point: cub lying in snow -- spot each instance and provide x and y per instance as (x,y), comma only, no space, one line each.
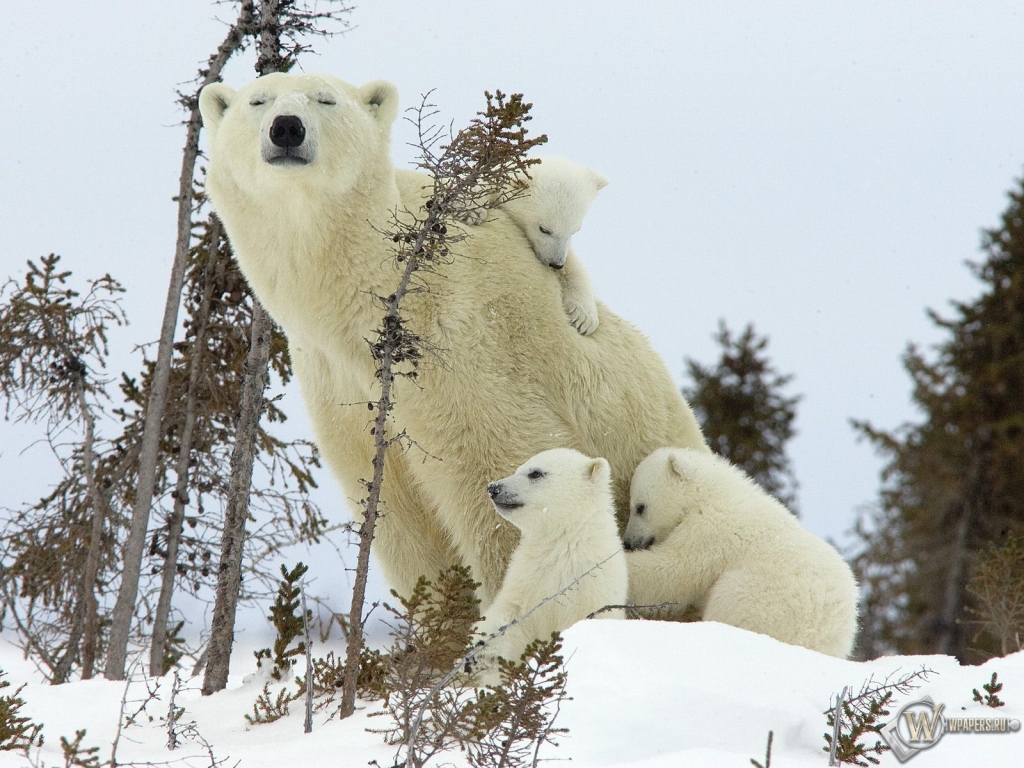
(550,210)
(702,533)
(569,562)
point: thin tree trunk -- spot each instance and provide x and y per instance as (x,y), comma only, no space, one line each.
(386,375)
(124,608)
(953,598)
(177,517)
(366,532)
(83,630)
(87,590)
(229,573)
(948,640)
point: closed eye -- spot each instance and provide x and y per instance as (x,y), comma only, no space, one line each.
(535,474)
(257,101)
(544,231)
(326,100)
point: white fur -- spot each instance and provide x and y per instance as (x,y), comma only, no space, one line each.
(719,542)
(569,550)
(513,379)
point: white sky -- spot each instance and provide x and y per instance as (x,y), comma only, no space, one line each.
(820,169)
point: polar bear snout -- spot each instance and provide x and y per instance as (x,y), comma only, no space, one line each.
(636,543)
(286,141)
(502,497)
(287,131)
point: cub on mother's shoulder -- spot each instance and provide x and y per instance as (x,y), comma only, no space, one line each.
(549,208)
(569,562)
(701,533)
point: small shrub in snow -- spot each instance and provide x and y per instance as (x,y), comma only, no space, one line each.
(991,698)
(269,708)
(17,732)
(865,714)
(77,756)
(290,626)
(434,707)
(997,589)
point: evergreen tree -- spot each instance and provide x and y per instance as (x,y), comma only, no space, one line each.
(953,483)
(56,554)
(744,414)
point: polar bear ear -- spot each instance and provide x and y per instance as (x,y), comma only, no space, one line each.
(675,466)
(599,470)
(214,100)
(381,99)
(599,180)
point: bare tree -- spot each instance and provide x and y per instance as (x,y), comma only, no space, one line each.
(124,609)
(478,168)
(53,345)
(280,26)
(181,469)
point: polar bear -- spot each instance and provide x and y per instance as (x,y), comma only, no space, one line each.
(702,533)
(569,562)
(300,174)
(550,209)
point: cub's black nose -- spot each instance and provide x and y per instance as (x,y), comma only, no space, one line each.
(493,489)
(287,131)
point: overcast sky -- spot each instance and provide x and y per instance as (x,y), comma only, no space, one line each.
(819,169)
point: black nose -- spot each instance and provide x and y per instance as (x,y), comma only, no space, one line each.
(493,489)
(287,131)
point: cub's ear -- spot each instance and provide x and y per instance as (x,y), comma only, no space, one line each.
(676,467)
(599,470)
(381,100)
(214,100)
(599,180)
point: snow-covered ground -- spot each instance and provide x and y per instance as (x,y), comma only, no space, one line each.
(644,694)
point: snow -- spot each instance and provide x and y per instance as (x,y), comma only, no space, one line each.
(644,695)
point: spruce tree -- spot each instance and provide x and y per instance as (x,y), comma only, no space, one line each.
(741,407)
(954,482)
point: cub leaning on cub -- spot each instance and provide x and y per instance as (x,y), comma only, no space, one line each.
(702,533)
(569,562)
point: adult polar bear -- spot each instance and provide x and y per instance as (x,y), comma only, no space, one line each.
(301,175)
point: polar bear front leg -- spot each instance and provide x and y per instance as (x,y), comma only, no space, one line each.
(661,581)
(578,295)
(409,540)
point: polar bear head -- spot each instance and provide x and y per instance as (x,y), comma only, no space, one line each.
(662,490)
(553,207)
(281,131)
(554,490)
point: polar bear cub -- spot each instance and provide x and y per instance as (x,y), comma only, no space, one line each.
(569,552)
(550,210)
(702,533)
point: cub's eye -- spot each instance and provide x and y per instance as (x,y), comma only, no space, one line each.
(544,231)
(326,100)
(535,474)
(257,101)
(640,509)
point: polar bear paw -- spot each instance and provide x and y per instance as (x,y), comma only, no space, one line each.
(582,313)
(483,667)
